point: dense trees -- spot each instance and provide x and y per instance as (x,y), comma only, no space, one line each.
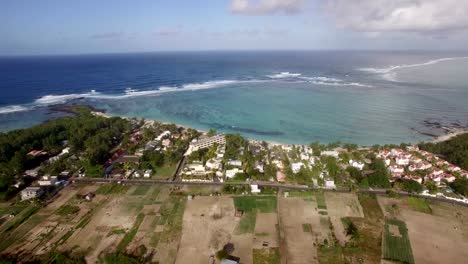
(91,135)
(454,150)
(379,176)
(234,142)
(411,186)
(460,186)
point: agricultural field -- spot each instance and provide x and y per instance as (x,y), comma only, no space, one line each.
(118,220)
(162,224)
(396,244)
(438,235)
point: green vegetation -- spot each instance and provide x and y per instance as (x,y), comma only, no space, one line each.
(173,222)
(460,186)
(307,228)
(66,210)
(113,188)
(396,245)
(121,258)
(262,204)
(141,190)
(331,254)
(19,219)
(266,256)
(57,257)
(247,223)
(370,206)
(235,189)
(94,136)
(420,204)
(320,200)
(380,176)
(251,205)
(454,150)
(411,186)
(365,243)
(234,142)
(131,234)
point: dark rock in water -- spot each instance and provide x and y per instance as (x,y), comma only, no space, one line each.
(70,108)
(433,124)
(244,130)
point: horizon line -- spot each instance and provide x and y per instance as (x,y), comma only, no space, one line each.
(224,50)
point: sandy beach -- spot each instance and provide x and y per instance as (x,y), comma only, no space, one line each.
(453,133)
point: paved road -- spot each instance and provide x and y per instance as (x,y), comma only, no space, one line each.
(261,184)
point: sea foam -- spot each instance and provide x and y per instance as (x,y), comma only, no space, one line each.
(389,69)
(284,75)
(13,108)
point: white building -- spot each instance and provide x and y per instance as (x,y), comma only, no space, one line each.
(208,142)
(332,153)
(148,173)
(356,164)
(254,188)
(259,166)
(402,160)
(296,167)
(330,183)
(164,134)
(47,180)
(231,173)
(236,163)
(213,164)
(31,193)
(395,169)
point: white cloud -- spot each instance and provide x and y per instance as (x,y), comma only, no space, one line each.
(266,7)
(422,16)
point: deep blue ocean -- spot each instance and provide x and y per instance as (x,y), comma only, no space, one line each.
(364,97)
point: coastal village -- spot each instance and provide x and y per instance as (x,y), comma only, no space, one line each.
(196,156)
(153,192)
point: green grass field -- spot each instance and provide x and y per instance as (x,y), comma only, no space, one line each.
(266,256)
(131,234)
(68,210)
(320,200)
(165,171)
(141,190)
(420,205)
(251,205)
(306,228)
(262,204)
(111,189)
(397,248)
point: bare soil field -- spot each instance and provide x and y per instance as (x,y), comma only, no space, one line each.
(208,224)
(266,233)
(439,237)
(294,212)
(341,205)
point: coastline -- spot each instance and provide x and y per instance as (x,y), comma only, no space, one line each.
(449,134)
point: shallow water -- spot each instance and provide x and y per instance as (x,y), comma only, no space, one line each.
(293,97)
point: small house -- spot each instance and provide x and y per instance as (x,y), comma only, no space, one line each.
(31,193)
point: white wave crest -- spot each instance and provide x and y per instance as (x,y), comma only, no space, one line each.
(13,108)
(284,75)
(403,66)
(130,92)
(321,80)
(57,99)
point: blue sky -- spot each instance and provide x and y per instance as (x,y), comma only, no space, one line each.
(86,26)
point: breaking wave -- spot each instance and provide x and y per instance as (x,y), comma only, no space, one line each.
(387,72)
(282,75)
(13,108)
(332,81)
(52,99)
